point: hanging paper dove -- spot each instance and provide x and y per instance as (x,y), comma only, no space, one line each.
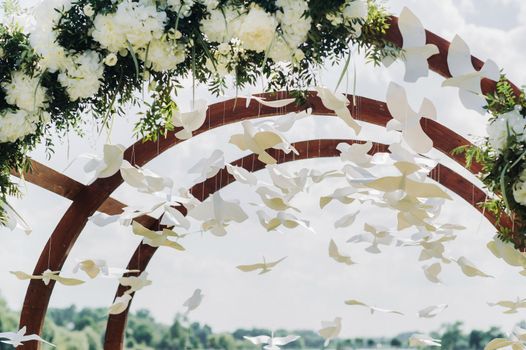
(47,276)
(404,183)
(375,235)
(120,304)
(318,176)
(108,164)
(342,195)
(346,220)
(242,175)
(335,254)
(512,306)
(190,121)
(356,153)
(135,283)
(92,268)
(156,238)
(415,52)
(265,266)
(284,123)
(173,218)
(272,343)
(287,183)
(208,167)
(432,271)
(507,252)
(465,77)
(282,219)
(103,219)
(515,341)
(339,104)
(258,142)
(19,338)
(14,220)
(274,200)
(372,309)
(434,248)
(272,104)
(469,269)
(193,302)
(422,340)
(407,121)
(330,330)
(432,311)
(216,214)
(144,180)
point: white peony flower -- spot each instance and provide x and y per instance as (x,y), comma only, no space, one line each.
(508,124)
(83,79)
(519,189)
(17,125)
(162,55)
(258,30)
(108,34)
(223,25)
(280,51)
(24,92)
(53,56)
(294,21)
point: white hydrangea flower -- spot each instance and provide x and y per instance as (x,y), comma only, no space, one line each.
(25,92)
(511,123)
(294,20)
(162,55)
(134,23)
(83,79)
(258,30)
(15,125)
(221,27)
(519,189)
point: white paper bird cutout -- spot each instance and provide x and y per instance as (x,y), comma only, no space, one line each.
(173,218)
(274,200)
(258,141)
(434,248)
(272,343)
(144,180)
(376,236)
(432,311)
(208,167)
(330,330)
(193,302)
(422,340)
(19,338)
(465,77)
(190,121)
(102,219)
(157,238)
(108,164)
(356,153)
(516,341)
(415,50)
(335,254)
(14,219)
(507,252)
(135,283)
(282,219)
(242,175)
(432,271)
(318,176)
(283,123)
(272,104)
(346,220)
(372,309)
(286,182)
(469,269)
(216,214)
(407,121)
(339,104)
(92,268)
(406,184)
(343,195)
(48,276)
(120,304)
(511,305)
(265,266)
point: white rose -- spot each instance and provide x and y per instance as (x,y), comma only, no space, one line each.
(25,92)
(507,124)
(111,60)
(258,30)
(88,10)
(16,125)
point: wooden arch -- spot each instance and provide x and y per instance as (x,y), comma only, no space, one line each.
(90,198)
(116,324)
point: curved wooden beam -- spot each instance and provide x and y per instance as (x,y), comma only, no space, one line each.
(116,324)
(92,197)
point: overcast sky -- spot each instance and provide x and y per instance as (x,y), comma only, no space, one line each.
(308,287)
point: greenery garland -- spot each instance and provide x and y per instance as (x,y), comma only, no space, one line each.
(85,60)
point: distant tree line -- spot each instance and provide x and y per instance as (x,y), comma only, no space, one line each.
(73,329)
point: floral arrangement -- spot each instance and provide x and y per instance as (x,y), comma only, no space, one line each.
(502,155)
(94,57)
